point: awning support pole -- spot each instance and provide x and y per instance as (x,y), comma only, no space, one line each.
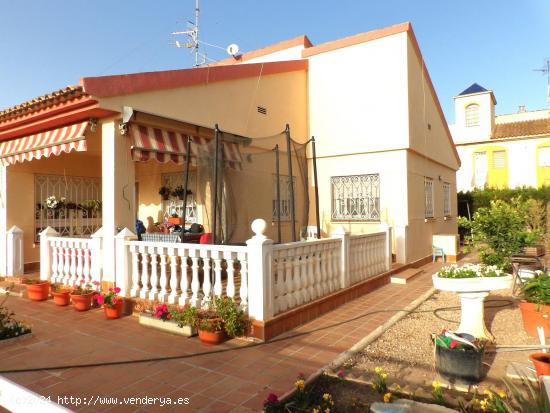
(278,204)
(291,176)
(186,180)
(316,183)
(215,208)
(221,185)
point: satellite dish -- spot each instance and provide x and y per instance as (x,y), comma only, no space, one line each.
(232,49)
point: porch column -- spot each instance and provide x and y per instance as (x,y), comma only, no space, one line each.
(3,220)
(118,191)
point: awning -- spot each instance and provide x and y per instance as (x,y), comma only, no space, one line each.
(165,146)
(65,139)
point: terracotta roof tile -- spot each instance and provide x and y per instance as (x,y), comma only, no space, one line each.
(42,102)
(533,127)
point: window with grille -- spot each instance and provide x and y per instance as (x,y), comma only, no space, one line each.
(446,199)
(472,115)
(429,197)
(69,204)
(174,205)
(284,204)
(356,197)
(544,156)
(499,159)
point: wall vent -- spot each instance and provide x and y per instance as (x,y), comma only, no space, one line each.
(262,110)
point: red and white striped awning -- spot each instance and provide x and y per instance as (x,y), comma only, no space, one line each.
(165,146)
(53,142)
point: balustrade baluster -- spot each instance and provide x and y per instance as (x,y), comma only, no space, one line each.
(86,262)
(289,284)
(312,292)
(60,262)
(184,281)
(218,288)
(164,286)
(195,301)
(153,294)
(174,279)
(243,292)
(136,276)
(296,273)
(207,278)
(144,292)
(67,268)
(230,289)
(79,266)
(53,250)
(72,267)
(304,276)
(318,273)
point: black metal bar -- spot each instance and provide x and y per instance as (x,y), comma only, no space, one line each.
(221,185)
(278,204)
(215,209)
(292,209)
(316,183)
(187,162)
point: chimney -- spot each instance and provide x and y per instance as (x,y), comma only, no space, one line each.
(521,109)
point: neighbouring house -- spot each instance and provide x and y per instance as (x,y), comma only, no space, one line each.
(386,167)
(499,151)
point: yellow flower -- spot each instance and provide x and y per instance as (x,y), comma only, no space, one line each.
(300,384)
(501,393)
(387,397)
(327,410)
(326,397)
(488,393)
(483,405)
(397,387)
(436,384)
(315,410)
(384,376)
(378,370)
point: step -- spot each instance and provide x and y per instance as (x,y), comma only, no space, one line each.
(17,290)
(406,275)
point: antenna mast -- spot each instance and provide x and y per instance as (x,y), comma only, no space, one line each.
(192,34)
(196,37)
(546,72)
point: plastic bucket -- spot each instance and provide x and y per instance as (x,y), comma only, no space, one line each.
(466,365)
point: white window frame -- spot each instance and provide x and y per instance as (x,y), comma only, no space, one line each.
(284,201)
(428,197)
(446,199)
(471,115)
(355,197)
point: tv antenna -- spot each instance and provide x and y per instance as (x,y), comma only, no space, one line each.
(193,42)
(545,70)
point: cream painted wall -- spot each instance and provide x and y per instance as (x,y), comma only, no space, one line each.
(231,104)
(420,230)
(358,100)
(292,53)
(522,162)
(428,132)
(20,187)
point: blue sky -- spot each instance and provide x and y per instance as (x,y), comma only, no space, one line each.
(46,45)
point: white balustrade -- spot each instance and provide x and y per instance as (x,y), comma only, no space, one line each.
(367,256)
(69,261)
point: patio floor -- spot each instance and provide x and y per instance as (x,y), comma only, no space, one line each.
(235,378)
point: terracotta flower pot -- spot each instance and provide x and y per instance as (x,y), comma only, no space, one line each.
(535,316)
(212,337)
(541,362)
(115,311)
(82,302)
(39,291)
(61,298)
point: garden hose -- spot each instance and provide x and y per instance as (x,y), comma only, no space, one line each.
(252,344)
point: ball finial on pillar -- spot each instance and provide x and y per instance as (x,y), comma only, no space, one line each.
(258,227)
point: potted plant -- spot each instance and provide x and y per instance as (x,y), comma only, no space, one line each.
(55,206)
(179,192)
(37,290)
(541,362)
(173,319)
(210,327)
(10,328)
(164,192)
(174,219)
(535,310)
(459,356)
(61,294)
(233,317)
(82,295)
(111,302)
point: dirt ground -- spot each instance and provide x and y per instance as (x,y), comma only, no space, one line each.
(406,352)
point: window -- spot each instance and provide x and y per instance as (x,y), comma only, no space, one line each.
(284,186)
(428,197)
(480,169)
(544,156)
(499,159)
(79,213)
(174,205)
(356,197)
(472,115)
(446,199)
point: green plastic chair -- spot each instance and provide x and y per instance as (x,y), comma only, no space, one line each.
(438,252)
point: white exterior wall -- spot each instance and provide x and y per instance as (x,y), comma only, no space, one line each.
(483,131)
(292,53)
(357,97)
(522,162)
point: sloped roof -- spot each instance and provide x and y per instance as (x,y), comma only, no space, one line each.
(534,127)
(42,102)
(474,88)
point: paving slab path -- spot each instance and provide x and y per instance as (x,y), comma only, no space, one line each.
(234,377)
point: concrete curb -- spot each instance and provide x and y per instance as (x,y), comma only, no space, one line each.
(365,341)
